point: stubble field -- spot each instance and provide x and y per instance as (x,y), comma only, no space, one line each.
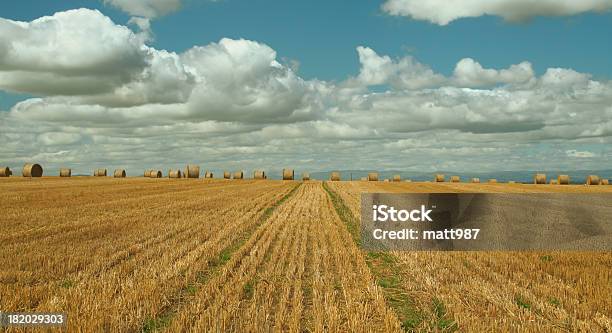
(139,254)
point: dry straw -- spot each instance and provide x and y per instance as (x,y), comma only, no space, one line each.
(175,173)
(397,178)
(227,175)
(605,182)
(100,173)
(539,178)
(119,173)
(475,180)
(32,170)
(335,176)
(259,174)
(65,172)
(208,174)
(455,179)
(155,174)
(238,175)
(192,171)
(439,178)
(373,176)
(288,174)
(305,176)
(5,172)
(563,180)
(592,180)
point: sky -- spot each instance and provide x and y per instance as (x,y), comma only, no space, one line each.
(471,85)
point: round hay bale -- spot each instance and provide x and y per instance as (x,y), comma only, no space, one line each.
(192,171)
(475,180)
(408,180)
(5,172)
(553,182)
(238,175)
(100,173)
(492,181)
(563,180)
(65,172)
(592,180)
(335,176)
(259,174)
(147,173)
(455,179)
(288,174)
(119,173)
(365,179)
(397,178)
(305,176)
(373,176)
(227,175)
(175,173)
(386,180)
(439,178)
(605,182)
(32,170)
(539,178)
(208,174)
(184,173)
(155,174)
(511,182)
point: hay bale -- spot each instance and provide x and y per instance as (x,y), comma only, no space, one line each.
(386,180)
(439,178)
(563,180)
(408,180)
(373,176)
(147,173)
(305,176)
(539,178)
(512,182)
(65,172)
(119,173)
(475,180)
(32,170)
(553,182)
(175,173)
(335,176)
(192,171)
(492,181)
(604,182)
(238,175)
(227,175)
(455,179)
(100,173)
(397,178)
(208,174)
(259,174)
(155,174)
(365,179)
(592,180)
(288,174)
(5,172)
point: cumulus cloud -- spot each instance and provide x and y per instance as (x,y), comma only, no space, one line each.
(233,104)
(146,8)
(442,12)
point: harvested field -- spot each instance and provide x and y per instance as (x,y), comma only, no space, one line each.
(494,291)
(142,254)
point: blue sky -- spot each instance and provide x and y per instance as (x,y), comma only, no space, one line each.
(466,81)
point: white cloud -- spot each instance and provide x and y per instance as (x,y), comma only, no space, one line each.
(146,8)
(469,73)
(443,12)
(232,104)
